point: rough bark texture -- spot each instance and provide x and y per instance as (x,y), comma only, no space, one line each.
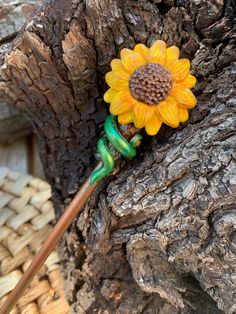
(160,237)
(13,15)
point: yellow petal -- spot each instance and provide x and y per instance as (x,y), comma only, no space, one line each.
(117,80)
(169,111)
(180,69)
(172,55)
(184,96)
(126,118)
(157,52)
(157,112)
(122,102)
(189,81)
(153,125)
(109,95)
(117,65)
(142,50)
(142,114)
(131,60)
(183,114)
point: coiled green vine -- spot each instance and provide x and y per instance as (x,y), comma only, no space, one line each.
(115,138)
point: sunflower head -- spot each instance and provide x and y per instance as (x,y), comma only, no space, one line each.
(150,86)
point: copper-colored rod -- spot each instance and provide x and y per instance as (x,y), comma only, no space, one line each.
(63,223)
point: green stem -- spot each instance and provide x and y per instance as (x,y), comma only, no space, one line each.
(125,148)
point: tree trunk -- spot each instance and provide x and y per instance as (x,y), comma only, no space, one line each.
(13,15)
(160,236)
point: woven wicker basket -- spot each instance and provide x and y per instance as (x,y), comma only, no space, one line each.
(25,216)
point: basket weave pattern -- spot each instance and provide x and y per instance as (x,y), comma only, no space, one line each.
(25,216)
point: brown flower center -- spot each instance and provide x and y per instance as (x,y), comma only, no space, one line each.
(150,83)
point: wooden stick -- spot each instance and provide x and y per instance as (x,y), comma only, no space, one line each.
(63,223)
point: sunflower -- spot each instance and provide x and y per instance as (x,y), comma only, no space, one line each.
(150,86)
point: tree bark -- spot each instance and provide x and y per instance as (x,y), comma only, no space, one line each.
(159,237)
(13,15)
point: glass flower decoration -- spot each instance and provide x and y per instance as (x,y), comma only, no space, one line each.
(150,86)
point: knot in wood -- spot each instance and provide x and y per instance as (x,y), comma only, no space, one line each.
(150,83)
